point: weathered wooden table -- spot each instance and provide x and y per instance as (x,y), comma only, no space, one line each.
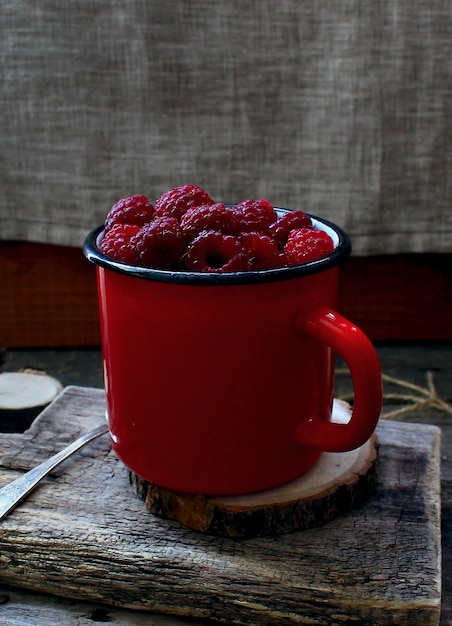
(428,403)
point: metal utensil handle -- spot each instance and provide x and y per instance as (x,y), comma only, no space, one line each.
(15,491)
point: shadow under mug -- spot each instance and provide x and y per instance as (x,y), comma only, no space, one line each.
(223,384)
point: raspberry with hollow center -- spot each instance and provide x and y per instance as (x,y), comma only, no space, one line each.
(131,210)
(160,244)
(212,251)
(280,229)
(209,217)
(255,215)
(263,253)
(307,244)
(175,202)
(117,242)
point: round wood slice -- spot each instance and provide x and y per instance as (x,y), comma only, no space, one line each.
(23,395)
(336,483)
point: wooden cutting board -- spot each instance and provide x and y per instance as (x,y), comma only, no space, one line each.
(84,534)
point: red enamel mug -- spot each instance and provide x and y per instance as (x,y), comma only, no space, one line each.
(223,384)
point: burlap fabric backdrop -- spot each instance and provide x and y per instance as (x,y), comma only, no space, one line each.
(338,107)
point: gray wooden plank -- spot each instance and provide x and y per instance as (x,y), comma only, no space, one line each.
(25,608)
(85,535)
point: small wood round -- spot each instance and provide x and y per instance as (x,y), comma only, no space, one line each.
(333,486)
(23,395)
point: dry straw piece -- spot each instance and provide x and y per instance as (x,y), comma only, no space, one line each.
(421,398)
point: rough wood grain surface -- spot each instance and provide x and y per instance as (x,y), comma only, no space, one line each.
(85,535)
(26,608)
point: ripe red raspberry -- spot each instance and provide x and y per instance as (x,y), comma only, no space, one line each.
(209,217)
(160,244)
(255,215)
(263,253)
(212,251)
(307,244)
(175,202)
(280,229)
(117,243)
(131,210)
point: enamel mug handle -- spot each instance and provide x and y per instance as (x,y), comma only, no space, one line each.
(355,348)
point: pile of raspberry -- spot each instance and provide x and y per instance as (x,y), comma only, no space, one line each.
(188,231)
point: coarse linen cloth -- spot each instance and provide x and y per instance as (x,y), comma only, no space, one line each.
(341,108)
